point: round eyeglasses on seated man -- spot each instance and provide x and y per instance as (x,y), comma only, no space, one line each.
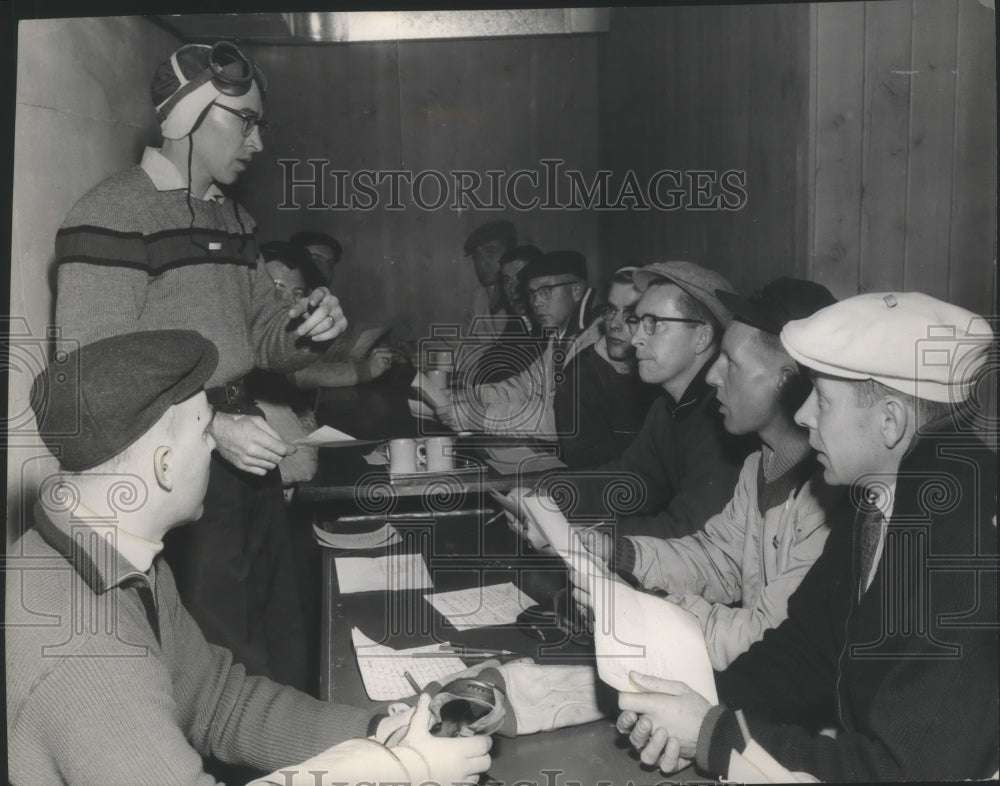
(165,243)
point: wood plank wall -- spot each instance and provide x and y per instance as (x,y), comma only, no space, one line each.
(714,89)
(477,105)
(867,132)
(905,155)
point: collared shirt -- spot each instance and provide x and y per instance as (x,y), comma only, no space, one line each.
(167,177)
(883,497)
(94,549)
(695,391)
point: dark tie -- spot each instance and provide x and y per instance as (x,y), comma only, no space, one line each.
(869,532)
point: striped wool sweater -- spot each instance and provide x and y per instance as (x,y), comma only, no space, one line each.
(130,260)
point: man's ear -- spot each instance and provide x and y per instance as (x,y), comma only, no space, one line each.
(894,420)
(577,290)
(786,376)
(704,334)
(163,467)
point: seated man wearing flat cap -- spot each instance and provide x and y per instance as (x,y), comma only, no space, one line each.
(109,679)
(891,639)
(737,572)
(681,468)
(556,288)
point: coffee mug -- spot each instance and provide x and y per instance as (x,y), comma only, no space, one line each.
(440,453)
(402,456)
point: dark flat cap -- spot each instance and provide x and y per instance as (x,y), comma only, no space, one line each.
(118,389)
(555,263)
(778,303)
(495,230)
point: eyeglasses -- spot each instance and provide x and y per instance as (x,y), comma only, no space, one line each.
(609,312)
(650,321)
(249,121)
(545,292)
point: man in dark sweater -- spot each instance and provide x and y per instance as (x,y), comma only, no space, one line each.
(601,403)
(681,468)
(891,640)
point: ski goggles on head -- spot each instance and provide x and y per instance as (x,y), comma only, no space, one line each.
(228,72)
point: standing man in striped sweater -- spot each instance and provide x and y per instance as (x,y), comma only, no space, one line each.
(160,246)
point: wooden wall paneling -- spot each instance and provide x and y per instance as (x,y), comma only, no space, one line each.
(450,120)
(778,104)
(635,101)
(972,262)
(368,139)
(885,152)
(686,235)
(662,116)
(932,102)
(811,162)
(339,104)
(839,114)
(735,236)
(717,85)
(566,108)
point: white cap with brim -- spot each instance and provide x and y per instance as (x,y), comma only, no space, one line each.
(907,341)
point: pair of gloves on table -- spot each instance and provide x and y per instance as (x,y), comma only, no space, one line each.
(526,698)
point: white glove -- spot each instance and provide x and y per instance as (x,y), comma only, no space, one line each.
(443,760)
(398,718)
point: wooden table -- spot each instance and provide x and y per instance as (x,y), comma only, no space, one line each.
(460,556)
(460,552)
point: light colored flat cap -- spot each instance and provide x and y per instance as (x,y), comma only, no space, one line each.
(908,341)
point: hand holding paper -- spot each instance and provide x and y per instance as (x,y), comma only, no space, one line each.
(670,706)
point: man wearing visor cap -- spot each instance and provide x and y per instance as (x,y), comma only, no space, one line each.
(159,246)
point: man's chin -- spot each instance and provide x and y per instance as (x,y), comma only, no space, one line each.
(618,351)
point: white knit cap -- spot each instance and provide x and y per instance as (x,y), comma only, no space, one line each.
(908,341)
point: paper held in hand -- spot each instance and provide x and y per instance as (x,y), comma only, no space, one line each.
(636,631)
(633,630)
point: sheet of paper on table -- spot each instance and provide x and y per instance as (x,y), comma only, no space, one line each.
(512,459)
(382,574)
(382,667)
(376,458)
(325,435)
(637,631)
(385,536)
(480,607)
